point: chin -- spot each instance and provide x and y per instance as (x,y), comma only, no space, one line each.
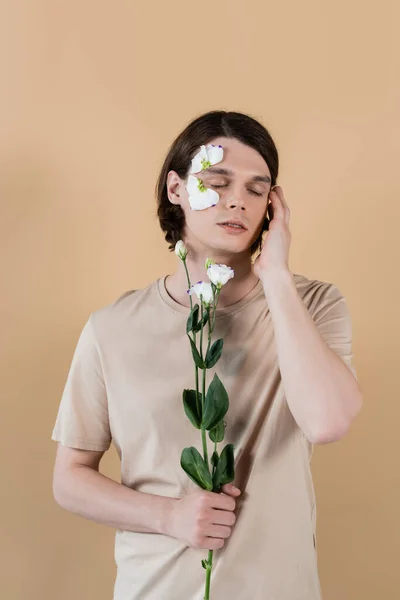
(233,249)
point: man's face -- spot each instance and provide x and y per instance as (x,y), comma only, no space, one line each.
(241,196)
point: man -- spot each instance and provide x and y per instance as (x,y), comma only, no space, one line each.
(286,365)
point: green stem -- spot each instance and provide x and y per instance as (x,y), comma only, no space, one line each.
(196,368)
(211,323)
(211,319)
(203,431)
(208,575)
(216,297)
(214,467)
(189,284)
(196,371)
(202,326)
(210,552)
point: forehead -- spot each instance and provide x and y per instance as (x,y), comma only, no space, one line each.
(239,158)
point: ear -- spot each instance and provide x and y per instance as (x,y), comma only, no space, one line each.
(175,188)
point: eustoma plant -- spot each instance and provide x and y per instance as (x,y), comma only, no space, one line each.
(200,197)
(206,409)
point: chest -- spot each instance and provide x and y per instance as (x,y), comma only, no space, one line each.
(147,369)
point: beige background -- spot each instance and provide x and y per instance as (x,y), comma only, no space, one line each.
(92,95)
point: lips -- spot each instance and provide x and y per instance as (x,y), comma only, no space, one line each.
(234,222)
(232,230)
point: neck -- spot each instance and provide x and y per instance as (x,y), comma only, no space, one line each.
(236,288)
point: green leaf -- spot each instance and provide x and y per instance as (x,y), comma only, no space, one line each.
(204,564)
(214,353)
(191,323)
(216,404)
(217,433)
(193,464)
(214,458)
(190,406)
(196,356)
(225,471)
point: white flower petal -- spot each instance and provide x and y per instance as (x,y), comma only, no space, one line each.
(203,200)
(204,289)
(200,200)
(180,249)
(196,161)
(196,165)
(192,183)
(215,154)
(220,274)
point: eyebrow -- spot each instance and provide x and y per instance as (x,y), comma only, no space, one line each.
(221,171)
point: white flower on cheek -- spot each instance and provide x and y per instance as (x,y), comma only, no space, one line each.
(201,197)
(207,156)
(203,289)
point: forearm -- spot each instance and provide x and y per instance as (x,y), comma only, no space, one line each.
(321,391)
(90,494)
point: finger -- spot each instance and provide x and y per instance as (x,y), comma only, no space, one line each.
(214,543)
(218,531)
(279,192)
(223,517)
(230,489)
(277,209)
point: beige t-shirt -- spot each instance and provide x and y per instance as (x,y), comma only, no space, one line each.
(125,384)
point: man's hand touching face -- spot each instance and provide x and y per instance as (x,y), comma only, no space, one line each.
(275,252)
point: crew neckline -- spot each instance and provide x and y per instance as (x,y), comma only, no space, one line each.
(220,312)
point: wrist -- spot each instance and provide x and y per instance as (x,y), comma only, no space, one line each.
(276,276)
(167,516)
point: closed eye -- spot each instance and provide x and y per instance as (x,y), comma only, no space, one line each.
(251,191)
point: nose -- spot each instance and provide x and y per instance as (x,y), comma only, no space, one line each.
(236,204)
(236,199)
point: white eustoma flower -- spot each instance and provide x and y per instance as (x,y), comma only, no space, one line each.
(204,289)
(200,197)
(207,156)
(181,250)
(219,275)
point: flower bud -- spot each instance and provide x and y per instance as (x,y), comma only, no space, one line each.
(180,250)
(209,262)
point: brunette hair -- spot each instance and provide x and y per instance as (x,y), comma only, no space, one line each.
(200,131)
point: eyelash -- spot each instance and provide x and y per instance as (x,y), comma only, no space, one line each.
(251,191)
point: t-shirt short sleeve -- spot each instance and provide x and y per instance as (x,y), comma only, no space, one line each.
(82,420)
(333,320)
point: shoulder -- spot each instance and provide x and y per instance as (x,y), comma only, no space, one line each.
(131,305)
(317,294)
